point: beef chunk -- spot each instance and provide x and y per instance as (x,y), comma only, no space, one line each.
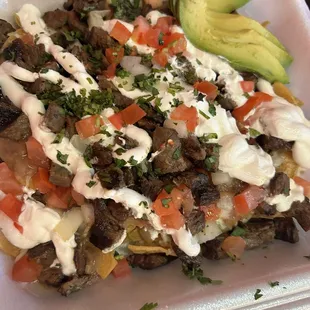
(280,184)
(39,197)
(148,261)
(100,39)
(26,56)
(55,19)
(192,148)
(191,261)
(60,176)
(126,142)
(83,6)
(113,177)
(99,155)
(258,233)
(75,23)
(77,283)
(70,126)
(104,83)
(151,187)
(118,211)
(52,277)
(301,212)
(39,86)
(8,112)
(213,249)
(186,70)
(44,254)
(147,124)
(5,29)
(121,101)
(195,222)
(152,114)
(54,117)
(286,230)
(226,102)
(249,76)
(269,143)
(59,38)
(80,258)
(170,159)
(19,130)
(266,209)
(107,229)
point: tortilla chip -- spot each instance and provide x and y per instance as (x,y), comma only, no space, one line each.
(7,247)
(141,249)
(282,91)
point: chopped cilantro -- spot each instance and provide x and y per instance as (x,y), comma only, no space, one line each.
(105,132)
(165,202)
(212,109)
(254,133)
(143,203)
(200,97)
(273,284)
(44,70)
(286,191)
(122,73)
(258,294)
(62,158)
(72,35)
(238,232)
(132,161)
(196,92)
(176,154)
(89,80)
(59,137)
(168,188)
(198,62)
(120,151)
(126,10)
(204,114)
(209,161)
(174,88)
(246,95)
(33,23)
(149,306)
(146,59)
(120,163)
(206,137)
(175,102)
(161,38)
(146,83)
(91,184)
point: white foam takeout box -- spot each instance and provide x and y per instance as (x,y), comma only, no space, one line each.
(283,262)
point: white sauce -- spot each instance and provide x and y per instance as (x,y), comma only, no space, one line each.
(245,162)
(282,202)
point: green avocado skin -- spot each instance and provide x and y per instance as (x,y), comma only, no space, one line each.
(225,6)
(245,54)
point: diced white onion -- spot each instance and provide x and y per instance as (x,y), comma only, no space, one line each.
(133,65)
(179,126)
(220,178)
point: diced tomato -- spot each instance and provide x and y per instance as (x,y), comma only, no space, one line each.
(110,72)
(164,206)
(175,220)
(122,269)
(26,270)
(132,114)
(305,184)
(11,206)
(184,113)
(27,38)
(120,33)
(188,200)
(41,181)
(247,86)
(177,197)
(164,24)
(249,199)
(78,198)
(175,42)
(160,58)
(141,28)
(117,120)
(89,126)
(60,198)
(212,212)
(114,54)
(154,38)
(8,182)
(240,113)
(234,246)
(207,88)
(36,153)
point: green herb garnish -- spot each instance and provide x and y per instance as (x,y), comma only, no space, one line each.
(209,161)
(168,188)
(120,163)
(91,184)
(149,306)
(238,232)
(59,137)
(212,109)
(258,294)
(161,38)
(120,151)
(62,158)
(254,133)
(177,154)
(273,284)
(204,114)
(132,161)
(122,73)
(143,203)
(165,202)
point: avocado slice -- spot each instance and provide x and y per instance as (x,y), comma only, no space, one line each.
(238,47)
(235,22)
(225,6)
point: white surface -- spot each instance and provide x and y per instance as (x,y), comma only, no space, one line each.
(167,286)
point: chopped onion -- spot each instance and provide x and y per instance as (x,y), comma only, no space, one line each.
(95,18)
(179,126)
(220,178)
(69,224)
(79,143)
(133,65)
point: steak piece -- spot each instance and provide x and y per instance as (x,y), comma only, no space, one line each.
(195,222)
(121,101)
(60,176)
(190,261)
(52,277)
(70,126)
(213,249)
(170,159)
(54,117)
(280,184)
(44,254)
(265,209)
(5,29)
(186,70)
(286,230)
(77,283)
(269,143)
(118,211)
(75,23)
(99,155)
(100,39)
(151,187)
(8,112)
(147,124)
(55,19)
(19,130)
(226,102)
(106,230)
(83,6)
(192,148)
(301,212)
(148,261)
(80,257)
(104,83)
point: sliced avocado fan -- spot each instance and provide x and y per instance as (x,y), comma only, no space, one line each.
(225,6)
(242,41)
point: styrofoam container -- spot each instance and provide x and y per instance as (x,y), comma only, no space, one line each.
(283,262)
